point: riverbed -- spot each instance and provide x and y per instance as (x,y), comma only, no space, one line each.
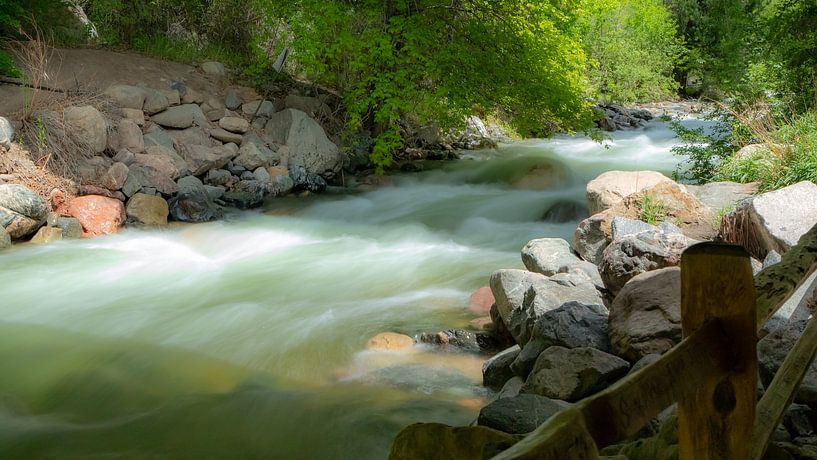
(246,338)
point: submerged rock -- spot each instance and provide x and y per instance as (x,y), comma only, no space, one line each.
(390,341)
(434,440)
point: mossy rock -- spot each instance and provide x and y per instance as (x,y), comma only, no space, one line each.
(434,440)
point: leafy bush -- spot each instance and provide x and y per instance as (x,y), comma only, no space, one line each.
(417,59)
(7,65)
(704,151)
(633,48)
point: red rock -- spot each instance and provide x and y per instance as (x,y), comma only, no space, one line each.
(99,215)
(481,301)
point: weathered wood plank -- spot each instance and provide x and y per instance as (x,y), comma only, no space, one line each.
(716,416)
(621,410)
(774,285)
(781,391)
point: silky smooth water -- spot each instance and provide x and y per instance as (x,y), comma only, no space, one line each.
(246,338)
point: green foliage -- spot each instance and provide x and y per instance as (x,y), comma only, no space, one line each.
(704,151)
(652,210)
(633,49)
(425,61)
(7,65)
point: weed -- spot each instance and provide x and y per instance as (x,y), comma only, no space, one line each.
(652,210)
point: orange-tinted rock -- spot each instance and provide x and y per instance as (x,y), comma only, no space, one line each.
(98,215)
(483,323)
(390,341)
(481,301)
(58,202)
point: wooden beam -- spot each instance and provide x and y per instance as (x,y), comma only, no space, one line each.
(716,416)
(781,391)
(625,407)
(774,285)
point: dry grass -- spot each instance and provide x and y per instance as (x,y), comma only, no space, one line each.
(44,129)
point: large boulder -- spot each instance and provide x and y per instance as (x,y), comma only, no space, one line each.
(6,133)
(307,142)
(593,235)
(155,101)
(572,374)
(436,441)
(141,176)
(169,154)
(22,211)
(99,215)
(201,159)
(645,317)
(519,414)
(522,297)
(252,155)
(156,136)
(150,210)
(773,221)
(772,350)
(46,235)
(258,109)
(550,256)
(192,203)
(497,370)
(234,124)
(128,136)
(611,187)
(126,96)
(722,196)
(87,127)
(631,255)
(573,325)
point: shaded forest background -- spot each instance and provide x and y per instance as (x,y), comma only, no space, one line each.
(538,67)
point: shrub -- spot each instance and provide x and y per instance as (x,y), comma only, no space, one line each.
(652,210)
(633,49)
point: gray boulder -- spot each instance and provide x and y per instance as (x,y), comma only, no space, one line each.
(573,374)
(213,110)
(305,180)
(645,317)
(87,127)
(772,350)
(252,155)
(201,159)
(171,155)
(234,124)
(520,414)
(592,237)
(128,136)
(156,136)
(155,101)
(22,211)
(550,256)
(191,136)
(181,117)
(258,109)
(497,370)
(778,219)
(226,136)
(623,226)
(142,176)
(116,176)
(192,203)
(126,96)
(307,142)
(6,133)
(214,69)
(247,194)
(218,177)
(572,325)
(71,227)
(632,255)
(722,195)
(232,100)
(522,297)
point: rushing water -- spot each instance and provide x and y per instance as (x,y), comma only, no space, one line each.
(246,338)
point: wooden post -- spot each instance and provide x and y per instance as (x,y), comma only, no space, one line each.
(716,416)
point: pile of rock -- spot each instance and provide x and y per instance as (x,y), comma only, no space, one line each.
(584,316)
(615,117)
(176,153)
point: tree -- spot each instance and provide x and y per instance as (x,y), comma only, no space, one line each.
(425,60)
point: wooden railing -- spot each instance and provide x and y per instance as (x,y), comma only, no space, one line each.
(711,374)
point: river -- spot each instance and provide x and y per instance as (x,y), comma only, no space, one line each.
(245,338)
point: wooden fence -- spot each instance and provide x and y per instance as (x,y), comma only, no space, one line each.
(711,374)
